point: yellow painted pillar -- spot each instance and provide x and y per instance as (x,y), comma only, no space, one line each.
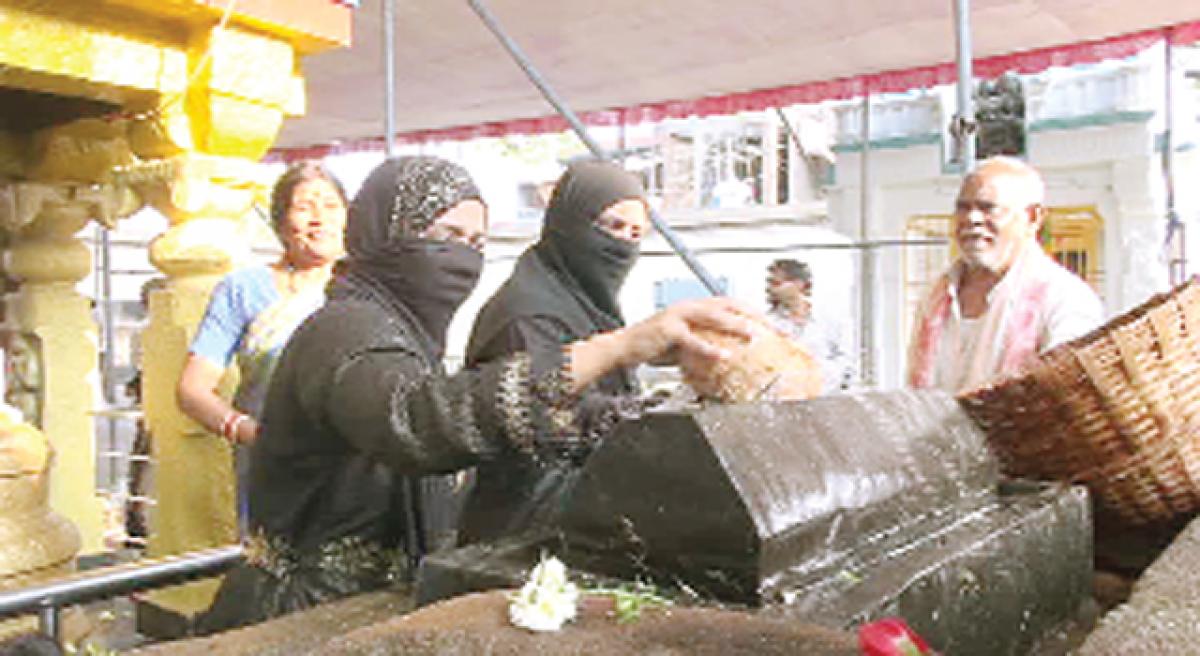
(206,187)
(194,482)
(51,345)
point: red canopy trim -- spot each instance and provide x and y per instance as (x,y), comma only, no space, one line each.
(1026,62)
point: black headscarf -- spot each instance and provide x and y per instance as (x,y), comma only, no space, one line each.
(425,278)
(592,263)
(573,274)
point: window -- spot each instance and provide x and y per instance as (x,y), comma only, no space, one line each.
(531,200)
(1073,236)
(717,162)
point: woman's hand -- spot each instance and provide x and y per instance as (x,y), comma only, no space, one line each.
(197,396)
(666,337)
(245,432)
(672,333)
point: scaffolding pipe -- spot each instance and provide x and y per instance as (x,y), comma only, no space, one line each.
(706,278)
(108,355)
(963,128)
(1175,245)
(389,77)
(785,248)
(791,132)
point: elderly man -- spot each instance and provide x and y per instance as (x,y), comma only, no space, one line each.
(1004,300)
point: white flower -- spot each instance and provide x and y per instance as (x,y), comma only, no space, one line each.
(547,600)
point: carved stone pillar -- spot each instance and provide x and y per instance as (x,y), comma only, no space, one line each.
(51,336)
(176,99)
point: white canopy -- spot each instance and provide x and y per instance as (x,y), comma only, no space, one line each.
(637,53)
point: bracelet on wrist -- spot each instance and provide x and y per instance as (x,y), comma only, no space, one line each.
(229,425)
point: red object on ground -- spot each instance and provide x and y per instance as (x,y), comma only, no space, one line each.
(891,636)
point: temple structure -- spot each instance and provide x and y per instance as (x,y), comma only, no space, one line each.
(107,107)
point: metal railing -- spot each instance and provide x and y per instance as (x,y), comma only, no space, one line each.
(47,599)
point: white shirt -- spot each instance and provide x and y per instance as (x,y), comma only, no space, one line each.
(825,340)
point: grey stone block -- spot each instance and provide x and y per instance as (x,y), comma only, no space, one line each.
(1163,614)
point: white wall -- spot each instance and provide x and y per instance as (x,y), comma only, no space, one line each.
(1100,150)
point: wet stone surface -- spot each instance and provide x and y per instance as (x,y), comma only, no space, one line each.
(764,523)
(834,511)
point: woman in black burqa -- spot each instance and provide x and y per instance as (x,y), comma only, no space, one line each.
(562,289)
(360,404)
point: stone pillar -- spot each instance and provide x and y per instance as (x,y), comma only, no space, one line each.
(51,340)
(186,89)
(194,482)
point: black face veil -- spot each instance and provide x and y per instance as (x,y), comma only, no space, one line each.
(398,201)
(592,263)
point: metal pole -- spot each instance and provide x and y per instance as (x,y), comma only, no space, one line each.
(866,314)
(48,624)
(580,129)
(1176,256)
(389,77)
(108,362)
(791,132)
(963,128)
(116,581)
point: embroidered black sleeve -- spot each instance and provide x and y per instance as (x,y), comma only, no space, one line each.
(416,418)
(539,415)
(421,420)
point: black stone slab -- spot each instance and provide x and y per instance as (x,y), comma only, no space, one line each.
(833,511)
(738,501)
(991,582)
(988,583)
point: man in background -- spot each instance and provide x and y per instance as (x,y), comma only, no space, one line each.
(789,297)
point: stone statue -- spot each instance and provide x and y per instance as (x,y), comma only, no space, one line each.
(1000,112)
(23,375)
(35,542)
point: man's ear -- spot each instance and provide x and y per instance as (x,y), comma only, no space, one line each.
(1037,217)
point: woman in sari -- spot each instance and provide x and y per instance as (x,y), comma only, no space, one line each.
(360,405)
(253,311)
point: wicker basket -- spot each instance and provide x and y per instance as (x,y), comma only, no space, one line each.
(1117,409)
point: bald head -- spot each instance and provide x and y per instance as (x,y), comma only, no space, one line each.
(1023,184)
(998,213)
